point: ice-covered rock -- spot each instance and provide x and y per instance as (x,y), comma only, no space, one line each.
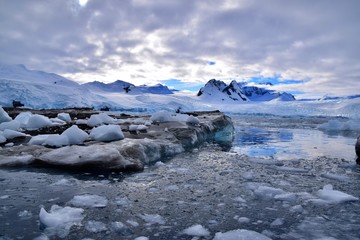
(107,133)
(240,234)
(4,116)
(59,220)
(160,141)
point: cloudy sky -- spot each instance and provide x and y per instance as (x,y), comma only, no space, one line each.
(307,47)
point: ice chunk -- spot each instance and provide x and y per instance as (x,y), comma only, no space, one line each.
(4,117)
(56,140)
(59,220)
(88,200)
(289,197)
(277,222)
(99,119)
(95,226)
(23,118)
(335,177)
(141,238)
(25,214)
(37,121)
(38,140)
(12,125)
(107,133)
(334,196)
(10,134)
(240,234)
(122,201)
(240,199)
(152,218)
(65,117)
(336,125)
(196,230)
(75,135)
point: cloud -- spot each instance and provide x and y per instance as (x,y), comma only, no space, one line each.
(143,41)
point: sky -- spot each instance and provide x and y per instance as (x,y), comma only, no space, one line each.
(310,48)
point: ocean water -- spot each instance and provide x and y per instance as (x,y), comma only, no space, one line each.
(283,178)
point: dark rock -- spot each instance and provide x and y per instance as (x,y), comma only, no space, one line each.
(357,150)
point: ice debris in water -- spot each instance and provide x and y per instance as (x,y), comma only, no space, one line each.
(152,218)
(336,125)
(266,192)
(88,200)
(95,226)
(107,133)
(59,220)
(240,234)
(334,196)
(121,229)
(196,230)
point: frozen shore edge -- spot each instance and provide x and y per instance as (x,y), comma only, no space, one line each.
(161,141)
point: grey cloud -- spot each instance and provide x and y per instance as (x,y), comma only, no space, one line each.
(319,39)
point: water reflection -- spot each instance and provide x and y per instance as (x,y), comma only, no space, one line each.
(282,143)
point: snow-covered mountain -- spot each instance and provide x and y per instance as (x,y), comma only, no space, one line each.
(216,90)
(38,89)
(120,86)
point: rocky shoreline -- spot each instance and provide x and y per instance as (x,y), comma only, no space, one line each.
(140,146)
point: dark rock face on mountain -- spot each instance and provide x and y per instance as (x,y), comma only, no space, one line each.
(218,90)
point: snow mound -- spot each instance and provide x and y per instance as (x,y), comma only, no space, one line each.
(88,200)
(240,234)
(335,196)
(58,220)
(4,117)
(107,133)
(164,116)
(196,230)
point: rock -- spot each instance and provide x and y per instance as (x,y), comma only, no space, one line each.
(131,152)
(357,150)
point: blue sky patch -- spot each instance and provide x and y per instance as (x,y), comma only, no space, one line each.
(179,85)
(211,63)
(274,80)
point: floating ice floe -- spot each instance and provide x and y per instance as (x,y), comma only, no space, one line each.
(59,220)
(152,219)
(330,195)
(95,226)
(88,200)
(196,230)
(240,234)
